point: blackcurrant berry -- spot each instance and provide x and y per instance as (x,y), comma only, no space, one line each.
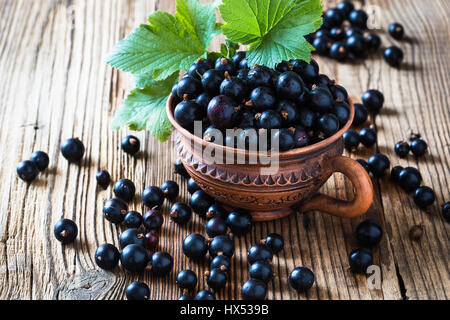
(239,222)
(259,252)
(216,211)
(345,7)
(187,112)
(124,189)
(368,137)
(215,227)
(199,68)
(27,171)
(200,201)
(419,147)
(262,98)
(107,256)
(221,245)
(339,92)
(243,75)
(402,149)
(338,51)
(337,33)
(364,164)
(103,179)
(334,17)
(115,210)
(369,233)
(395,173)
(307,118)
(322,45)
(170,190)
(379,163)
(234,88)
(354,31)
(361,114)
(134,258)
(40,159)
(283,66)
(351,140)
(396,31)
(138,291)
(341,110)
(195,246)
(222,112)
(269,119)
(73,150)
(259,76)
(203,101)
(133,219)
(409,179)
(301,279)
(446,211)
(186,279)
(360,259)
(424,197)
(393,56)
(225,65)
(301,137)
(290,86)
(328,125)
(373,42)
(130,145)
(322,33)
(243,64)
(254,289)
(246,119)
(189,87)
(153,219)
(152,239)
(357,45)
(222,262)
(261,270)
(323,80)
(132,236)
(358,18)
(285,139)
(162,264)
(274,241)
(309,72)
(321,99)
(238,57)
(65,231)
(180,213)
(153,197)
(216,279)
(192,186)
(212,80)
(205,295)
(373,100)
(180,169)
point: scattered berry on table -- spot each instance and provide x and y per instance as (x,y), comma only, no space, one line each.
(200,201)
(254,289)
(170,190)
(153,219)
(402,149)
(131,145)
(153,197)
(103,179)
(446,211)
(396,31)
(373,100)
(221,245)
(216,279)
(152,240)
(360,259)
(132,236)
(73,150)
(239,222)
(125,189)
(419,147)
(205,295)
(424,197)
(195,246)
(138,291)
(186,297)
(301,279)
(395,173)
(351,140)
(27,171)
(409,179)
(180,169)
(259,252)
(192,186)
(216,211)
(361,114)
(115,210)
(40,159)
(186,279)
(222,262)
(274,241)
(134,258)
(180,213)
(107,256)
(368,137)
(133,219)
(65,231)
(364,164)
(215,227)
(369,233)
(393,56)
(373,41)
(161,263)
(358,18)
(338,51)
(261,270)
(416,232)
(378,164)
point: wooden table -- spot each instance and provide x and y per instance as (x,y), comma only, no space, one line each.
(55,85)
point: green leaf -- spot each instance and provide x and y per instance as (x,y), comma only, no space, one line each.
(163,46)
(274,29)
(146,109)
(143,80)
(198,19)
(213,56)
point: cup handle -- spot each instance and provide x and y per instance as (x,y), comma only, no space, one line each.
(346,209)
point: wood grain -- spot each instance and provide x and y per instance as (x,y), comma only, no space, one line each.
(56,85)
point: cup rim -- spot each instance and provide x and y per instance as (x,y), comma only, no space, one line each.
(282,155)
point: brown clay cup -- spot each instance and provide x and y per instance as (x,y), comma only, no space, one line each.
(293,188)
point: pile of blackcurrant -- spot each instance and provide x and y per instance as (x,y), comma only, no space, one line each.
(417,146)
(239,106)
